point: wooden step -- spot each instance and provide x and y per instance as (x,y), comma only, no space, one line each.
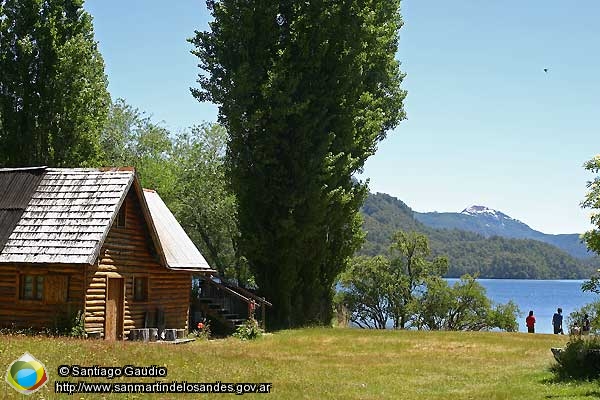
(207,300)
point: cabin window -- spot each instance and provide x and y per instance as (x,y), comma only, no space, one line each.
(122,216)
(140,288)
(32,287)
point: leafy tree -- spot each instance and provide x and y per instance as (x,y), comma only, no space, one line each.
(306,90)
(593,312)
(410,291)
(592,201)
(53,96)
(592,237)
(464,307)
(434,304)
(130,138)
(365,291)
(411,271)
(204,203)
(375,290)
(187,170)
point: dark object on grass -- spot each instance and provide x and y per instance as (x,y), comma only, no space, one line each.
(579,359)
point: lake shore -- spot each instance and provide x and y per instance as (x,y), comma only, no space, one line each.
(543,297)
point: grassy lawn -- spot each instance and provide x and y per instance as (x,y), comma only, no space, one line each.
(326,363)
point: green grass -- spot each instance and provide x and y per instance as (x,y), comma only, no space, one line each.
(328,363)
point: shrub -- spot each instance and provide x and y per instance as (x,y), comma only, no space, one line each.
(248,330)
(580,359)
(203,331)
(78,325)
(592,310)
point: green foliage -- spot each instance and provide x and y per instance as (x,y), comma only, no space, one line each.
(592,201)
(188,171)
(53,91)
(366,288)
(249,330)
(410,291)
(411,270)
(204,203)
(130,138)
(306,90)
(468,252)
(592,237)
(593,285)
(593,312)
(462,307)
(78,325)
(580,359)
(504,317)
(202,331)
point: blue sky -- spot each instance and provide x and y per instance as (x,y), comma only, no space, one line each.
(486,125)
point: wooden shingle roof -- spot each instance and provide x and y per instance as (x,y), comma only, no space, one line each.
(63,216)
(68,215)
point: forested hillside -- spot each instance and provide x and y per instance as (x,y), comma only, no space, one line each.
(488,223)
(469,252)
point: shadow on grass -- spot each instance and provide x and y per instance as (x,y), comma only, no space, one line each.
(558,379)
(563,375)
(570,381)
(595,394)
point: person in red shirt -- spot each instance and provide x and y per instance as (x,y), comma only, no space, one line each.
(530,322)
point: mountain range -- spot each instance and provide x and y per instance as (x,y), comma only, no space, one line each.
(478,240)
(489,222)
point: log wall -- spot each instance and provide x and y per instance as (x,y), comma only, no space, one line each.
(128,253)
(56,307)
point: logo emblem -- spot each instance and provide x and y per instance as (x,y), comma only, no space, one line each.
(26,374)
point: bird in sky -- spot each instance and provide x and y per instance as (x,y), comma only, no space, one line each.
(546,70)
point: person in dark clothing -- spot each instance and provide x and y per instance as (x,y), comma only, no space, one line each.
(557,320)
(585,326)
(530,322)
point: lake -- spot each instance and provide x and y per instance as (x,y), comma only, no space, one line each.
(541,296)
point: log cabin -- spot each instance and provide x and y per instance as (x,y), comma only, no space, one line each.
(91,240)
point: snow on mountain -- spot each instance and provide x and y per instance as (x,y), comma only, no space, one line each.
(489,222)
(479,210)
(484,211)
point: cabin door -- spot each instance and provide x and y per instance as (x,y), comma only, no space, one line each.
(113,317)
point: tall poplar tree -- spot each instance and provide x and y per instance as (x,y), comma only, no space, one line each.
(53,90)
(306,90)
